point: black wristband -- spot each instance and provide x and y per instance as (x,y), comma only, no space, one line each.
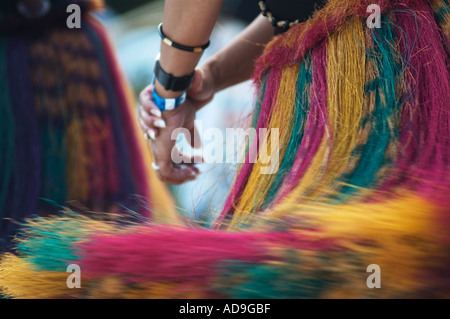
(170,82)
(169,42)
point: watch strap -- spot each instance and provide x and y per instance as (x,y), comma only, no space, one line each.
(170,82)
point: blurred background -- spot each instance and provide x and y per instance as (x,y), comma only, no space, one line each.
(132,26)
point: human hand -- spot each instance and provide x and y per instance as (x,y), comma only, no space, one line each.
(158,128)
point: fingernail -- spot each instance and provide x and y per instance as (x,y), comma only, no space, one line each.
(156,112)
(151,134)
(159,123)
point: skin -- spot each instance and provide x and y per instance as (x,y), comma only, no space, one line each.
(191,22)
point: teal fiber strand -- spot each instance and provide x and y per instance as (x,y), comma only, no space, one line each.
(442,12)
(256,112)
(49,246)
(259,101)
(299,122)
(268,281)
(387,105)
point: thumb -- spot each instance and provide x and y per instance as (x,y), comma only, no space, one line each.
(197,83)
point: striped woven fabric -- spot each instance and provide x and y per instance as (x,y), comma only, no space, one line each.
(363,178)
(67,121)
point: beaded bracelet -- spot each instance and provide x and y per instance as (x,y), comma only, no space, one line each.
(171,43)
(280,26)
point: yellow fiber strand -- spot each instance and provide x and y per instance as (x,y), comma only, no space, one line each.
(345,95)
(312,176)
(113,287)
(402,235)
(281,118)
(19,280)
(438,6)
(345,100)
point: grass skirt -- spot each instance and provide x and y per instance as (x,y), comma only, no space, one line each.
(363,178)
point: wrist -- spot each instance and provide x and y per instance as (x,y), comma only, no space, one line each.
(219,69)
(212,73)
(166,94)
(167,82)
(167,104)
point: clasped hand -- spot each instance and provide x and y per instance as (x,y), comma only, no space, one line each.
(158,126)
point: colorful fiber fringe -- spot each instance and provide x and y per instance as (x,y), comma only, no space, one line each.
(363,178)
(68,132)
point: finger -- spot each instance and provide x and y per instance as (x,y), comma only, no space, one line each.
(194,168)
(150,120)
(176,175)
(197,81)
(180,158)
(193,137)
(174,167)
(154,110)
(150,108)
(149,133)
(197,90)
(201,89)
(159,123)
(172,181)
(140,122)
(191,159)
(145,98)
(190,162)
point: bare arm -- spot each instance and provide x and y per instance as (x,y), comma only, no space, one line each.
(232,65)
(235,63)
(190,22)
